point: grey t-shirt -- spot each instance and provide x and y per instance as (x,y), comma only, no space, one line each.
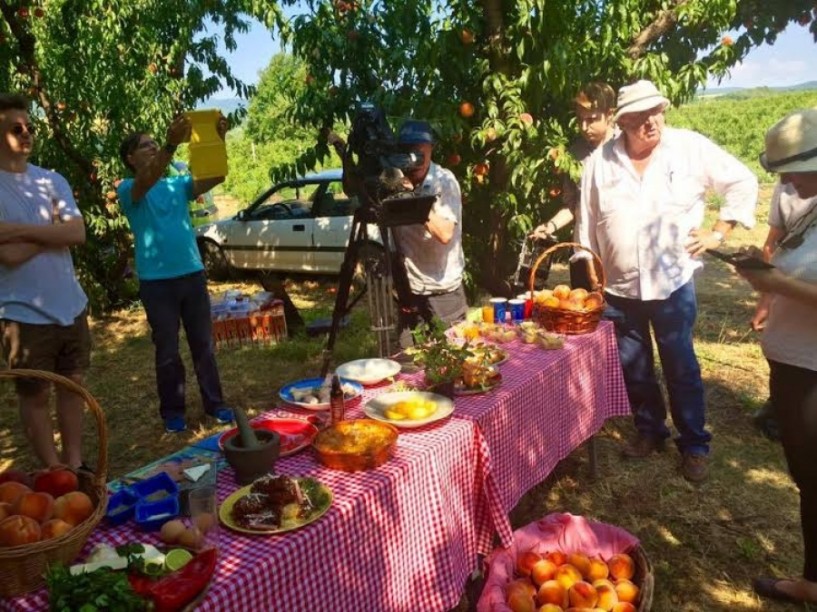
(44,289)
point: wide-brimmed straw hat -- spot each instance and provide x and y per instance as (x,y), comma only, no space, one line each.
(638,97)
(791,143)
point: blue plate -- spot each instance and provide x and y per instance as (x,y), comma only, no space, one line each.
(313,383)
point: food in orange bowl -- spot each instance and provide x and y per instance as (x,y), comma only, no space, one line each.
(361,444)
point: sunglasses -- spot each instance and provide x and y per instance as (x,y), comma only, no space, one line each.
(18,128)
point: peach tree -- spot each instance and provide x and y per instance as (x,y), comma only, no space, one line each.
(97,70)
(496,80)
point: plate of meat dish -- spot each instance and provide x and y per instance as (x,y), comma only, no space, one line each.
(275,504)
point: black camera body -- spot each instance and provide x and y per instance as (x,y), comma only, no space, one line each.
(376,163)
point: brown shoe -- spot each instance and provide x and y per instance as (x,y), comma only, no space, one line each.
(694,467)
(642,446)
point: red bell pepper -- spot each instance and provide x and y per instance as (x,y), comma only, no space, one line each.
(176,590)
(140,584)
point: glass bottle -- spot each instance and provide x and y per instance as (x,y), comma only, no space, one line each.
(336,402)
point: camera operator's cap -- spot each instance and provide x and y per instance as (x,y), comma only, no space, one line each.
(640,96)
(415,132)
(791,143)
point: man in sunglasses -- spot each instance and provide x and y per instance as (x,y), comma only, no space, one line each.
(172,283)
(643,198)
(43,323)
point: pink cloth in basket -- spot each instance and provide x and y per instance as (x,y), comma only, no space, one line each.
(563,532)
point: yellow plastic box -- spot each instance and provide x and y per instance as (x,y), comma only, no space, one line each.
(208,152)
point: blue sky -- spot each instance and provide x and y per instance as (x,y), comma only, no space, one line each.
(784,63)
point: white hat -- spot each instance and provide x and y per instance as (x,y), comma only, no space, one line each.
(638,97)
(791,143)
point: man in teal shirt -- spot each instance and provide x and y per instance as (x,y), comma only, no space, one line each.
(172,283)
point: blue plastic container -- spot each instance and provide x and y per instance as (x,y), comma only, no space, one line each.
(121,507)
(150,516)
(155,488)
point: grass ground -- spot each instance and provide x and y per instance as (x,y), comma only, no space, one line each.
(706,542)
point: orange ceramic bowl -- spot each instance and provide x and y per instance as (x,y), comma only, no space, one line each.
(362,444)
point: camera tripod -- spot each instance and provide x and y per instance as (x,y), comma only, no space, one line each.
(384,274)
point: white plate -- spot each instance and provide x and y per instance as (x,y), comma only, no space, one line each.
(375,408)
(311,383)
(368,371)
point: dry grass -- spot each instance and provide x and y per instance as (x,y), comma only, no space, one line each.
(706,542)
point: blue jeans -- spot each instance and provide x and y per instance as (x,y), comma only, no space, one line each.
(672,321)
(167,302)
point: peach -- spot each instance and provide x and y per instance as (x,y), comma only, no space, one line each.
(557,557)
(561,291)
(552,592)
(624,606)
(542,571)
(522,585)
(581,562)
(551,301)
(519,599)
(15,476)
(39,506)
(18,530)
(567,575)
(11,490)
(582,595)
(607,596)
(5,510)
(593,301)
(578,294)
(598,570)
(55,528)
(56,481)
(626,591)
(621,566)
(550,608)
(525,562)
(603,581)
(73,507)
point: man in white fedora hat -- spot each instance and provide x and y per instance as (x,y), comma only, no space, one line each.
(641,210)
(790,335)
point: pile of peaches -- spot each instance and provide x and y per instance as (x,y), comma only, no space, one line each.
(556,582)
(563,297)
(40,506)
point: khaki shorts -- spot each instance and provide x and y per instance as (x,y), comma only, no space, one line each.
(64,350)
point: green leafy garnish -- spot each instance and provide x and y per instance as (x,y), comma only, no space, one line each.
(102,589)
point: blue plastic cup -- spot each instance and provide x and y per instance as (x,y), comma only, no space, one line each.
(500,308)
(517,310)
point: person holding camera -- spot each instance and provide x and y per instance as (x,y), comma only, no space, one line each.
(432,252)
(172,283)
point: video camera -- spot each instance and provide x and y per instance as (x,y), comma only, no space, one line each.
(376,164)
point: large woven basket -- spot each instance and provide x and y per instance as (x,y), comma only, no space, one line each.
(561,320)
(22,568)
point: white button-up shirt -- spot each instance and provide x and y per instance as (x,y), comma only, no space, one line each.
(431,266)
(639,225)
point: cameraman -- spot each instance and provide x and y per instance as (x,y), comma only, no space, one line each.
(432,252)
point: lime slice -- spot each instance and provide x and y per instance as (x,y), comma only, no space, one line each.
(177,559)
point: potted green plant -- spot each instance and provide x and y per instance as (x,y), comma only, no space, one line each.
(441,360)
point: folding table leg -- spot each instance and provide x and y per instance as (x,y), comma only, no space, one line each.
(592,453)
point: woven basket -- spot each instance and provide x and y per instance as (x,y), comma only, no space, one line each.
(644,578)
(22,568)
(560,320)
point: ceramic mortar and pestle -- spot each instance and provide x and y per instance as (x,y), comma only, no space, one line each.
(251,453)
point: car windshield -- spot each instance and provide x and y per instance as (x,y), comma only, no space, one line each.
(289,201)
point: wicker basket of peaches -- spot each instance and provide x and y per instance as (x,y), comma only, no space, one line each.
(564,310)
(46,517)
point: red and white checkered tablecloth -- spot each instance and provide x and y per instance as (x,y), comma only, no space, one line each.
(406,535)
(548,404)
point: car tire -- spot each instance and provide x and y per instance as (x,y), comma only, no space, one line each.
(214,260)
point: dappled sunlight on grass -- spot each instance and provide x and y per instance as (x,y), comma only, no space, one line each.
(774,478)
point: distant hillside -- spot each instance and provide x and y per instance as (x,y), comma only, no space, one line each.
(725,91)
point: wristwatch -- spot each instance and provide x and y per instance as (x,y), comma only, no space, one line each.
(170,148)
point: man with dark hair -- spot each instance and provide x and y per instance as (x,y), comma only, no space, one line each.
(594,106)
(172,283)
(432,252)
(43,322)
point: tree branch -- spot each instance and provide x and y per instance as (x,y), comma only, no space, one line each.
(663,22)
